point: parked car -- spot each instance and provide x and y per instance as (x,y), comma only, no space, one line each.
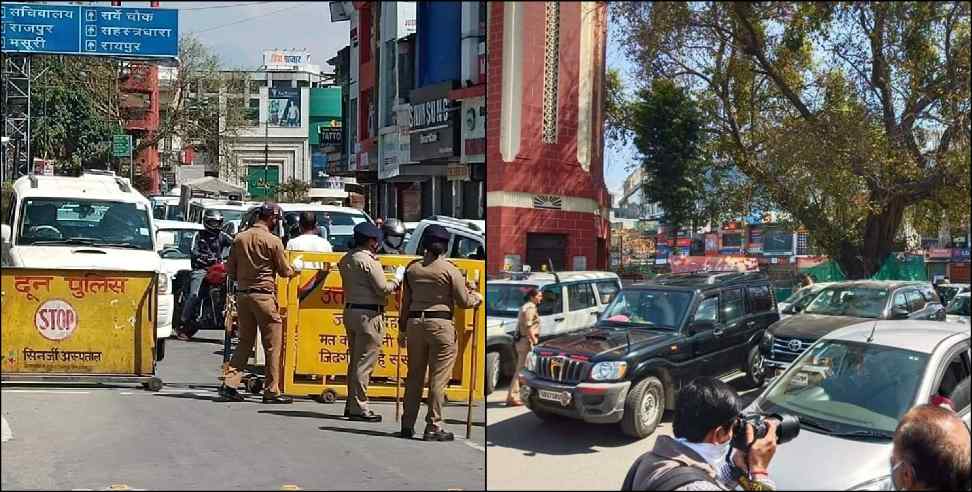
(174,241)
(336,223)
(800,299)
(95,221)
(948,291)
(958,310)
(844,304)
(468,239)
(650,340)
(851,388)
(571,302)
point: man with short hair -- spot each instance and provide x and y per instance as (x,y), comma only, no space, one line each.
(931,451)
(698,458)
(309,239)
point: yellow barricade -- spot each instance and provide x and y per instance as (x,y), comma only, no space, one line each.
(315,341)
(78,325)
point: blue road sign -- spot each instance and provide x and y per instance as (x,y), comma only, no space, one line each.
(74,30)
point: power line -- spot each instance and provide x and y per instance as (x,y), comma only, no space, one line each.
(223,6)
(247,19)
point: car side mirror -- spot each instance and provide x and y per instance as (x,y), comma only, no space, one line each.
(5,233)
(791,309)
(899,313)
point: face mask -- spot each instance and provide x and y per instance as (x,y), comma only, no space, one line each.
(714,454)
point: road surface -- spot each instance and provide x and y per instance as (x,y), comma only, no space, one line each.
(93,437)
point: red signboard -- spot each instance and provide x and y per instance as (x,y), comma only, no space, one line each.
(940,253)
(682,264)
(683,242)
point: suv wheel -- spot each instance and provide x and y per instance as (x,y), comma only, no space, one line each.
(643,408)
(755,368)
(493,371)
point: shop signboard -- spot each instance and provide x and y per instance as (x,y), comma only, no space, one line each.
(940,253)
(434,126)
(683,242)
(473,130)
(777,242)
(960,254)
(285,107)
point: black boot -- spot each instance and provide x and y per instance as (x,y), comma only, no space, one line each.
(407,433)
(368,417)
(229,394)
(277,399)
(435,434)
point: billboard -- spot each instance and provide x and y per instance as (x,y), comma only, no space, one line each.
(433,123)
(473,130)
(75,30)
(285,107)
(285,59)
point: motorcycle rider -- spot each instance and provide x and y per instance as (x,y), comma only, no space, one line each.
(393,232)
(207,248)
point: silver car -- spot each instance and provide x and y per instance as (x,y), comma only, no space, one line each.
(850,389)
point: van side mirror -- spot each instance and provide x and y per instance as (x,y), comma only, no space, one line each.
(5,233)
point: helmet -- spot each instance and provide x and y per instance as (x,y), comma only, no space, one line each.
(213,220)
(394,233)
(270,209)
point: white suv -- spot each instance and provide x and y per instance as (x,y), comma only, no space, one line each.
(94,221)
(468,241)
(572,301)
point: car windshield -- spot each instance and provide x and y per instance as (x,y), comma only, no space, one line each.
(802,294)
(180,246)
(230,214)
(70,221)
(959,306)
(860,302)
(846,387)
(505,300)
(948,292)
(648,307)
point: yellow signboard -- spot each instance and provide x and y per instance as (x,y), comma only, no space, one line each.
(322,350)
(77,322)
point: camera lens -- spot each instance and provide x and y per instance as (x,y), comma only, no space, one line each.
(788,428)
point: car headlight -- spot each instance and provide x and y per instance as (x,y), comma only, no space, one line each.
(882,483)
(531,362)
(606,371)
(163,284)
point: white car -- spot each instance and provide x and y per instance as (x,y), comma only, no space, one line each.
(958,310)
(851,388)
(71,234)
(468,239)
(337,223)
(174,241)
(571,301)
(166,208)
(800,299)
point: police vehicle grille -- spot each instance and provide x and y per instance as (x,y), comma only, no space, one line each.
(561,369)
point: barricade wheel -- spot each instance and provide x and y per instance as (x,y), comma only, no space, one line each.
(328,396)
(154,384)
(254,385)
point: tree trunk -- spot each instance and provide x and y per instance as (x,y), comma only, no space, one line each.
(863,260)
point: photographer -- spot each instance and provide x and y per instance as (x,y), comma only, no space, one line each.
(698,458)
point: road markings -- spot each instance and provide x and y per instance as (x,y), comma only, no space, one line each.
(49,392)
(290,487)
(474,445)
(5,433)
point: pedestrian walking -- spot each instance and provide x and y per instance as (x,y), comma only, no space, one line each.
(433,287)
(255,257)
(365,293)
(527,335)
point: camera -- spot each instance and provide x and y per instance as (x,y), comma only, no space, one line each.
(787,430)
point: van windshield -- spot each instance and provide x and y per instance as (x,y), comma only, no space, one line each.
(505,300)
(53,221)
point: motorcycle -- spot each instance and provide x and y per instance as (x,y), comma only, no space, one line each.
(211,311)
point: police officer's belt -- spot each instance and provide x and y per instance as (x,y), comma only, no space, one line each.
(254,291)
(366,307)
(430,314)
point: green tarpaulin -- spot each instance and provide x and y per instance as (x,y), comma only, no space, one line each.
(907,268)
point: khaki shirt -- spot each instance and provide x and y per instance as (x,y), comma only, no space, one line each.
(436,286)
(528,323)
(363,278)
(255,256)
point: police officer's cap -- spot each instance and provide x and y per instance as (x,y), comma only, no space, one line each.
(437,233)
(367,230)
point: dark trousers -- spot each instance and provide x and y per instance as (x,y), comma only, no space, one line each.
(191,303)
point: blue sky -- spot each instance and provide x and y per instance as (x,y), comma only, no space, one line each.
(239,31)
(616,159)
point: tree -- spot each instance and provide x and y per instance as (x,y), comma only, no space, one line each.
(844,114)
(667,130)
(293,191)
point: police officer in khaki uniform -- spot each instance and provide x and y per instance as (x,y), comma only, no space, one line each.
(255,257)
(433,286)
(365,291)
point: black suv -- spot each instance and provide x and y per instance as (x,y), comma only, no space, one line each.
(651,339)
(844,304)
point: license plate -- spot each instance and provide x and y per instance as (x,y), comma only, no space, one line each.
(800,379)
(561,397)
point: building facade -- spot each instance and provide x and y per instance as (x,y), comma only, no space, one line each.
(546,198)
